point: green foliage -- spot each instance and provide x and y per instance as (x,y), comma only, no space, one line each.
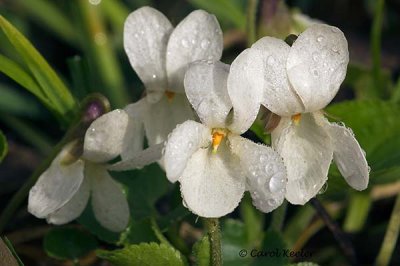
(151,254)
(39,78)
(201,251)
(234,239)
(3,146)
(68,243)
(273,248)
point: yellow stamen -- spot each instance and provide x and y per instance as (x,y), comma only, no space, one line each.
(296,119)
(170,95)
(217,136)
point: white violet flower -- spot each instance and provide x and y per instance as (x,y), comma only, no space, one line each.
(160,55)
(296,83)
(63,190)
(212,162)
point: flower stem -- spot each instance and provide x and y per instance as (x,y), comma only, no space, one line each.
(214,234)
(391,236)
(278,217)
(251,21)
(344,242)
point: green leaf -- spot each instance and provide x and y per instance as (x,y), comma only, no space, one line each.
(8,256)
(3,146)
(225,10)
(19,75)
(376,127)
(51,85)
(305,263)
(143,188)
(142,255)
(234,240)
(201,251)
(68,243)
(273,251)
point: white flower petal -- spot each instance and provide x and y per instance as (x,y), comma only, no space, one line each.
(246,88)
(134,136)
(205,87)
(212,185)
(185,140)
(197,37)
(317,65)
(55,187)
(279,97)
(110,205)
(349,156)
(264,170)
(307,152)
(140,159)
(74,207)
(161,118)
(104,138)
(146,35)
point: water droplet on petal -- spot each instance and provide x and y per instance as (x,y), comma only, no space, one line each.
(270,60)
(320,38)
(204,44)
(323,189)
(154,76)
(315,56)
(275,184)
(185,43)
(271,202)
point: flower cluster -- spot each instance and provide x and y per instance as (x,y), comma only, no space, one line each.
(193,114)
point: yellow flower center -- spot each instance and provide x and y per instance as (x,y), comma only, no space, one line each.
(170,95)
(217,136)
(296,119)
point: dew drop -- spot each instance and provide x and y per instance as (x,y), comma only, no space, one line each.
(315,57)
(136,35)
(184,203)
(335,49)
(263,158)
(323,189)
(154,76)
(315,73)
(271,202)
(185,43)
(190,144)
(275,184)
(204,44)
(320,38)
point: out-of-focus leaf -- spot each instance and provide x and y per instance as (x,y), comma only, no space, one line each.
(80,76)
(143,188)
(8,256)
(138,232)
(357,212)
(304,264)
(225,10)
(296,225)
(143,254)
(235,239)
(12,101)
(3,146)
(253,221)
(274,251)
(201,251)
(68,243)
(49,15)
(376,127)
(47,79)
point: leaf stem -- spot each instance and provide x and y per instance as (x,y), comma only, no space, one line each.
(251,26)
(391,236)
(344,242)
(214,234)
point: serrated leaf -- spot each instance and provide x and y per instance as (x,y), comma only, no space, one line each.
(47,79)
(146,254)
(68,243)
(201,251)
(3,146)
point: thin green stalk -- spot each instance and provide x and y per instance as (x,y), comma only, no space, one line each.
(254,222)
(102,54)
(214,234)
(391,236)
(251,26)
(376,33)
(278,217)
(159,234)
